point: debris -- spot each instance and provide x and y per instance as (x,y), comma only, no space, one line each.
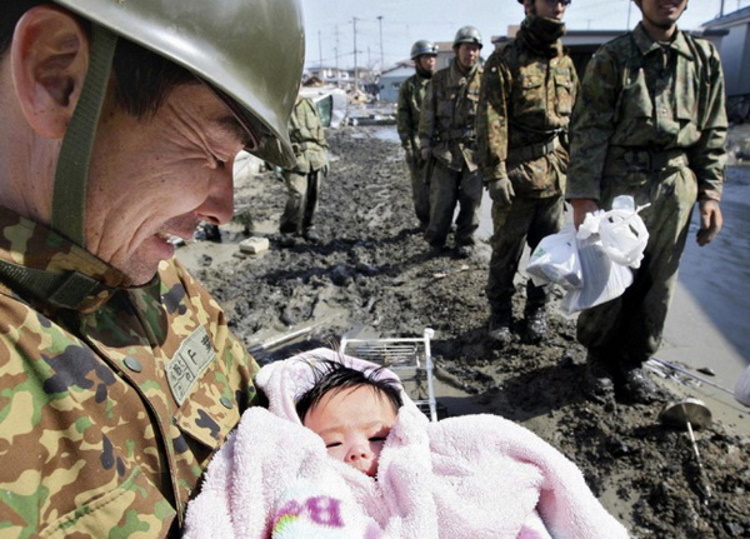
(254,245)
(689,412)
(444,274)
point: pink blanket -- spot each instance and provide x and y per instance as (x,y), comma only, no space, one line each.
(471,476)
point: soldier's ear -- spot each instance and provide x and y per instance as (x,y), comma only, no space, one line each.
(49,56)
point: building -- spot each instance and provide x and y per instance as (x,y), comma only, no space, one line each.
(734,49)
(392,79)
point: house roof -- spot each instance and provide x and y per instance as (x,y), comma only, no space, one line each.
(730,19)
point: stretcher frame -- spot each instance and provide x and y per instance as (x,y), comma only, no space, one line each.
(398,354)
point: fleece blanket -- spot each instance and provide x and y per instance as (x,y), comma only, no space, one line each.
(477,476)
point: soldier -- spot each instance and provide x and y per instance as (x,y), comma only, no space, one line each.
(447,138)
(304,178)
(121,122)
(410,97)
(528,91)
(650,122)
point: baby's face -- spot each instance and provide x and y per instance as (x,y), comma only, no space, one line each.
(354,424)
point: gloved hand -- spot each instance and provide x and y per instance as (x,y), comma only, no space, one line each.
(711,221)
(326,169)
(409,155)
(501,191)
(425,153)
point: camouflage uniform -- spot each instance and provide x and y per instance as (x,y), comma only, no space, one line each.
(650,122)
(528,92)
(109,410)
(447,127)
(410,97)
(303,181)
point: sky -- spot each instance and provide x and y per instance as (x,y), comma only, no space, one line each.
(329,24)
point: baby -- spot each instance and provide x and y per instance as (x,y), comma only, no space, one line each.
(352,411)
(342,451)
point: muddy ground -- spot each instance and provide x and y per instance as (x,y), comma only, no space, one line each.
(371,275)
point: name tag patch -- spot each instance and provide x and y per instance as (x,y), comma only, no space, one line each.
(191,359)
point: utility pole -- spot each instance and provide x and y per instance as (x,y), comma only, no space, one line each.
(380,24)
(356,81)
(320,52)
(336,52)
(630,6)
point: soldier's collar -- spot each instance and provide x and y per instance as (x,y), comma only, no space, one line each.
(41,266)
(647,45)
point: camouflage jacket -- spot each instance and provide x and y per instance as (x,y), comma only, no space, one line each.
(110,411)
(446,124)
(308,137)
(528,90)
(410,97)
(639,98)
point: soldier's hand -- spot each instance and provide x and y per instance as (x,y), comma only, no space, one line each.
(325,170)
(711,221)
(501,191)
(582,206)
(425,153)
(410,155)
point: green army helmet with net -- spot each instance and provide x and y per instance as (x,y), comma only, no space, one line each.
(468,34)
(423,46)
(251,52)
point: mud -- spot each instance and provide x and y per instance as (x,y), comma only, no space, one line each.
(372,275)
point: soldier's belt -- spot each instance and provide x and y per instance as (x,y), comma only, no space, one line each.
(646,161)
(456,134)
(532,151)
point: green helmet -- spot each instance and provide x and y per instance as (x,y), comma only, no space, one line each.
(423,46)
(468,34)
(252,50)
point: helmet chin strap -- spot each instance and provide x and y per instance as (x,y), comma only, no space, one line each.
(69,199)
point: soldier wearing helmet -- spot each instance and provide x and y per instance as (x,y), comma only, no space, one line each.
(410,97)
(527,97)
(447,138)
(121,124)
(653,127)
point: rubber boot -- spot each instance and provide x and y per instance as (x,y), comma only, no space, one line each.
(499,330)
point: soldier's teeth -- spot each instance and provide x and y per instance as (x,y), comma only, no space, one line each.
(171,238)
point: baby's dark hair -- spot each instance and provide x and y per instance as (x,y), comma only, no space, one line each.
(334,376)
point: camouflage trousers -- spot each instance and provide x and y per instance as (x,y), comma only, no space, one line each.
(448,188)
(526,220)
(301,202)
(626,331)
(420,192)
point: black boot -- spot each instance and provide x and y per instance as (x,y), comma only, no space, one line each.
(535,312)
(598,382)
(499,330)
(536,324)
(640,388)
(312,236)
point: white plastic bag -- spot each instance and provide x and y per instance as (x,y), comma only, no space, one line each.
(623,232)
(555,260)
(603,279)
(609,243)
